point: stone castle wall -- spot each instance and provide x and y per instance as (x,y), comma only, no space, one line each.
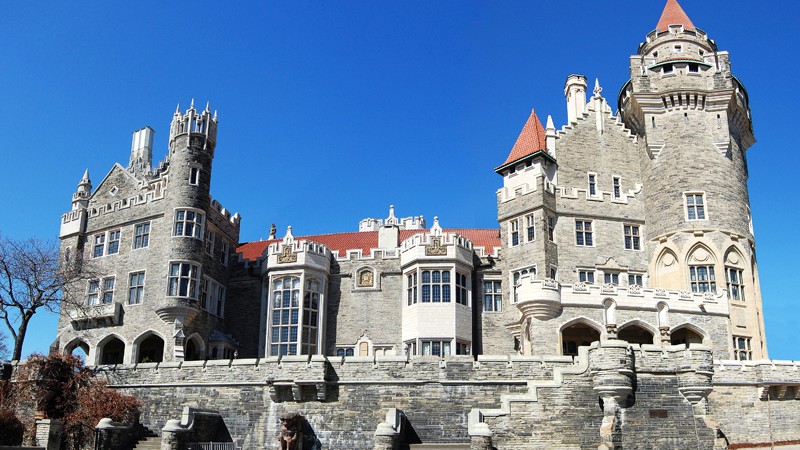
(527,402)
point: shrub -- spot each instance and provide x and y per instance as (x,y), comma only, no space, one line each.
(11,429)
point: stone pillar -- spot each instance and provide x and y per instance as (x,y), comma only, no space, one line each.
(386,437)
(174,436)
(480,437)
(611,366)
(48,433)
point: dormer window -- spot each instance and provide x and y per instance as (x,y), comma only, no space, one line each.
(667,68)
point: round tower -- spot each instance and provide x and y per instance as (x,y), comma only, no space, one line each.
(693,121)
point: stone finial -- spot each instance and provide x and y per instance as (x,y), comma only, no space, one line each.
(178,110)
(191,106)
(288,238)
(208,106)
(391,220)
(597,89)
(272,232)
(436,229)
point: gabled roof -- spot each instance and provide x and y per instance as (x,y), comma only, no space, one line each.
(673,14)
(367,240)
(531,139)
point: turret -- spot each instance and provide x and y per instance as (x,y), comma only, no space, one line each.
(692,118)
(202,126)
(80,199)
(575,92)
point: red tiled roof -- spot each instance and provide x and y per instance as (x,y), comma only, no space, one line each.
(367,240)
(530,140)
(673,14)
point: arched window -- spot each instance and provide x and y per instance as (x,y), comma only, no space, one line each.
(734,275)
(77,348)
(701,271)
(577,335)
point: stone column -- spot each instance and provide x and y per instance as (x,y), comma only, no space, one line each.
(174,436)
(611,366)
(480,437)
(386,437)
(48,433)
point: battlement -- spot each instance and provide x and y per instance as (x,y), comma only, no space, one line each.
(193,123)
(234,219)
(677,32)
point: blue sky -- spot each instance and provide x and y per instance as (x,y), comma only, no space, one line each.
(331,111)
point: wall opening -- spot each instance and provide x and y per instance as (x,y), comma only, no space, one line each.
(575,336)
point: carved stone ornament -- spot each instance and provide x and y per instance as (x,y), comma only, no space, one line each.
(580,287)
(608,288)
(287,255)
(435,248)
(634,289)
(660,292)
(291,437)
(366,278)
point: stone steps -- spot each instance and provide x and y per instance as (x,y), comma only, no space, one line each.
(149,443)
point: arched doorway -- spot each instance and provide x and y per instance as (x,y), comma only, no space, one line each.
(635,334)
(111,351)
(193,350)
(685,335)
(151,350)
(577,335)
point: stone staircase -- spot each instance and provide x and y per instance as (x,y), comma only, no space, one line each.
(148,440)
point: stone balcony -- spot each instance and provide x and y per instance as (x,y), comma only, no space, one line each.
(96,315)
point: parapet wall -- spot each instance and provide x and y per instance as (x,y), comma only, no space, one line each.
(526,402)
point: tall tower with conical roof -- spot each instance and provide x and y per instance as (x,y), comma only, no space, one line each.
(692,117)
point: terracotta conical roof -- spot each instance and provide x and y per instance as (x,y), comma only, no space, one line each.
(530,140)
(673,14)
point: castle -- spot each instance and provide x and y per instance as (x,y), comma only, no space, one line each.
(625,255)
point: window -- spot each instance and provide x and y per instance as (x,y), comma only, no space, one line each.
(223,254)
(294,328)
(344,351)
(611,278)
(702,279)
(741,348)
(462,348)
(93,292)
(583,233)
(435,286)
(462,293)
(530,228)
(735,283)
(436,348)
(183,278)
(631,237)
(592,184)
(492,296)
(194,176)
(311,302)
(136,288)
(212,298)
(615,182)
(100,248)
(667,68)
(635,279)
(411,288)
(551,227)
(100,291)
(693,68)
(695,207)
(99,245)
(141,235)
(514,232)
(113,242)
(518,274)
(210,238)
(285,316)
(586,276)
(188,223)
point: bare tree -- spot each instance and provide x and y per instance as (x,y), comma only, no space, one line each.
(30,279)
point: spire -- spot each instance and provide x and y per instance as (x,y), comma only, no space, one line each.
(531,139)
(673,14)
(597,88)
(85,179)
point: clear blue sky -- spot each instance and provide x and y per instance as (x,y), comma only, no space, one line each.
(330,111)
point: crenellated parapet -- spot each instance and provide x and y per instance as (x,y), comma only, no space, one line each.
(436,245)
(193,123)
